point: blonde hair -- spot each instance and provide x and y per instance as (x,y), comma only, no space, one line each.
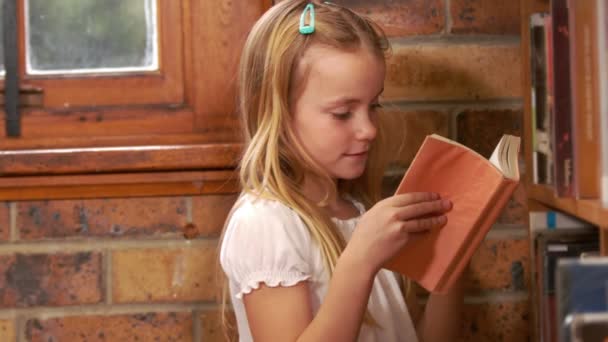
(274,162)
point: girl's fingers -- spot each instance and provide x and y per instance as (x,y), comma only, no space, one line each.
(423,208)
(412,198)
(423,224)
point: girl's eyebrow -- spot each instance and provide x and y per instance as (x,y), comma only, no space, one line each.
(349,100)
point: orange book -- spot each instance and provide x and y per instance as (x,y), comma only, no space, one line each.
(478,188)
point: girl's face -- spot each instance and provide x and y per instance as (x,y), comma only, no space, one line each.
(334,112)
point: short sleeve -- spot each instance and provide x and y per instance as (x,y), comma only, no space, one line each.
(265,242)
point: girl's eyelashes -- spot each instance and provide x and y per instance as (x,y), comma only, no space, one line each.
(344,115)
(341,115)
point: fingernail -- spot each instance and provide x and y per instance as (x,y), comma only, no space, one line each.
(446,203)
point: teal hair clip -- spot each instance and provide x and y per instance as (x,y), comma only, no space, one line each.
(310,28)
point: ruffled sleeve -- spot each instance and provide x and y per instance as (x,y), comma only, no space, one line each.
(265,242)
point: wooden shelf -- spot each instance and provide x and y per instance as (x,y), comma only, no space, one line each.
(588,210)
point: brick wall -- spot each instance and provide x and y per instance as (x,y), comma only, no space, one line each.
(455,71)
(110,269)
(121,269)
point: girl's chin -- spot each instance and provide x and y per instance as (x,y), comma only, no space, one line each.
(351,174)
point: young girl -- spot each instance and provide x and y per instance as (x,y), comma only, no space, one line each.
(302,253)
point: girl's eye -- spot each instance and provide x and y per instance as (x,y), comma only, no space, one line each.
(341,116)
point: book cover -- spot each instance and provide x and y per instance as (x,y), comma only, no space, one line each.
(581,287)
(602,43)
(570,238)
(540,221)
(584,69)
(478,188)
(562,121)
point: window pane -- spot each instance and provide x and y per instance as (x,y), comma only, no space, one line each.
(91,36)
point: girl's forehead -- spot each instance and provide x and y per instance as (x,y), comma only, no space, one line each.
(328,72)
(324,59)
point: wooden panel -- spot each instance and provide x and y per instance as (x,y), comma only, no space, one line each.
(109,141)
(165,86)
(118,159)
(98,122)
(216,51)
(118,185)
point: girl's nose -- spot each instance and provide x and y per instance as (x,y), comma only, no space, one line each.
(366,128)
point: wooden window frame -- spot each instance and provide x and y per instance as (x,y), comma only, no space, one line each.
(89,142)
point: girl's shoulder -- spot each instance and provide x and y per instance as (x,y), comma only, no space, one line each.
(251,207)
(259,218)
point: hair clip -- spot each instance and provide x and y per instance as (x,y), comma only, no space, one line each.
(310,28)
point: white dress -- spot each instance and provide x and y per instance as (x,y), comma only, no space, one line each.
(266,242)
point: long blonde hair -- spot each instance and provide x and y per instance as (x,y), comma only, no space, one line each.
(274,162)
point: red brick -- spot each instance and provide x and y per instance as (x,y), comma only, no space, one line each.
(500,265)
(157,216)
(482,129)
(7,331)
(496,321)
(50,280)
(5,224)
(209,212)
(485,16)
(137,327)
(214,329)
(402,18)
(516,211)
(448,71)
(409,128)
(164,275)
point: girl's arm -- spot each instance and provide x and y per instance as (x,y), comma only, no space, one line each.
(442,316)
(285,314)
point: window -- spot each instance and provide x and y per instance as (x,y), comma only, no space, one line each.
(115,73)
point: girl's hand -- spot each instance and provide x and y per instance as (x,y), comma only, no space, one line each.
(387,226)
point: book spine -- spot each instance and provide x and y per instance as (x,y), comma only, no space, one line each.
(549,103)
(493,208)
(585,113)
(540,115)
(562,123)
(602,24)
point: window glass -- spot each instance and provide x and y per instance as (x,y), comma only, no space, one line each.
(91,36)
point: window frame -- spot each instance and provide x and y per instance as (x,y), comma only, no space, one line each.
(199,134)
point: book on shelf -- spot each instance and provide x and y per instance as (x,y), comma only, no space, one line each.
(581,288)
(569,105)
(548,246)
(589,327)
(602,43)
(562,134)
(541,221)
(585,97)
(542,155)
(478,188)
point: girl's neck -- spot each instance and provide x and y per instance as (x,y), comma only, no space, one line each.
(315,190)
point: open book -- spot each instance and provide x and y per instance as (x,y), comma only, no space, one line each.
(478,188)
